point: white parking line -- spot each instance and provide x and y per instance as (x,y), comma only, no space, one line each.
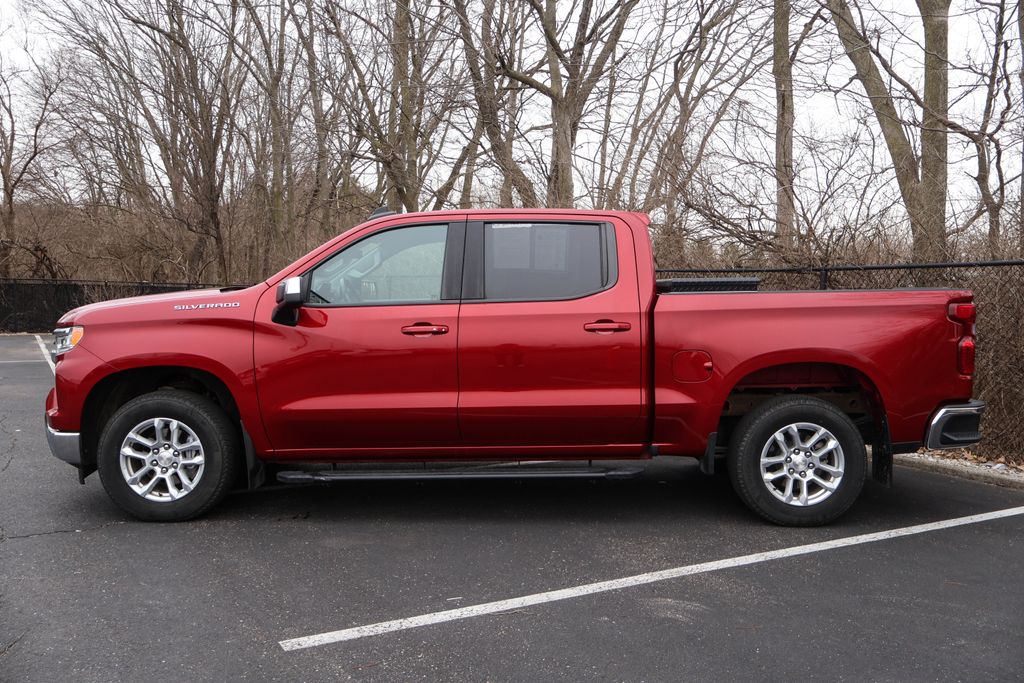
(630,581)
(46,354)
(33,360)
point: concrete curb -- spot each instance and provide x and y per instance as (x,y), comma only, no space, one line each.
(956,469)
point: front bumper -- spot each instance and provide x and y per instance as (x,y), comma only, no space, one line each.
(65,445)
(955,426)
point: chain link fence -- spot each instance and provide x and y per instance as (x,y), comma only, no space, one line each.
(35,305)
(998,288)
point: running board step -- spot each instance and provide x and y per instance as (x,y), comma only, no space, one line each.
(485,472)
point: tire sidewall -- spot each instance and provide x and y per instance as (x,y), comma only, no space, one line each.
(757,428)
(202,416)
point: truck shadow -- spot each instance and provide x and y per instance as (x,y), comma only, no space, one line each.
(671,491)
(665,490)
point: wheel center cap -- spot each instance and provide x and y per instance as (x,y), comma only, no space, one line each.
(165,459)
(799,461)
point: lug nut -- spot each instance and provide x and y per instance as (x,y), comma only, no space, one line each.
(810,465)
(174,465)
(789,459)
(153,463)
(803,474)
(163,469)
(791,470)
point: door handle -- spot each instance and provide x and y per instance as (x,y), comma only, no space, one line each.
(424,329)
(606,326)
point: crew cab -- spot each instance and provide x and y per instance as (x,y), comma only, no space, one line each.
(496,339)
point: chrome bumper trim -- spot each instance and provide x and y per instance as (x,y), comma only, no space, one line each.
(933,437)
(64,445)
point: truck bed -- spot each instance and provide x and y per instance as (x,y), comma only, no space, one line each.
(901,344)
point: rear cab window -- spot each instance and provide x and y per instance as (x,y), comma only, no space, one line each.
(543,261)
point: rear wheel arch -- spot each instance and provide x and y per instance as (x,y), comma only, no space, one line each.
(849,388)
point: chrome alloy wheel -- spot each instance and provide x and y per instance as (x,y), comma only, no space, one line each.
(802,464)
(162,459)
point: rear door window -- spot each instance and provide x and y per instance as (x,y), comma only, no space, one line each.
(547,261)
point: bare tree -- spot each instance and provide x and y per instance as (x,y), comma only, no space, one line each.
(323,71)
(577,53)
(694,176)
(497,107)
(216,141)
(994,89)
(156,81)
(404,98)
(922,179)
(27,97)
(264,50)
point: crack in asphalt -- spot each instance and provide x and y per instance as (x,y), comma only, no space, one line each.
(61,531)
(12,447)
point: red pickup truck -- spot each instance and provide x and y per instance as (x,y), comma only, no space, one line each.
(476,343)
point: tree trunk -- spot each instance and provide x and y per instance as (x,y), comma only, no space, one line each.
(560,185)
(930,244)
(321,130)
(988,201)
(403,135)
(223,276)
(782,70)
(1020,203)
(466,194)
(277,190)
(7,234)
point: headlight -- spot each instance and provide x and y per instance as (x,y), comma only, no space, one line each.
(65,339)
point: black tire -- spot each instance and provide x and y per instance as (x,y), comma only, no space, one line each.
(753,433)
(216,433)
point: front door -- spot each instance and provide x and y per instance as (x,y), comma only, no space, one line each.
(371,364)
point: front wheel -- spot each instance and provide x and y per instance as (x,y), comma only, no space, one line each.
(168,456)
(797,461)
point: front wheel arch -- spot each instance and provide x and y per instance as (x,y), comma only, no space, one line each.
(116,389)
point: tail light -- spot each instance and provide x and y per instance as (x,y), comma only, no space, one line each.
(965,356)
(963,313)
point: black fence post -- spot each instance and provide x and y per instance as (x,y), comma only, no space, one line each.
(823,278)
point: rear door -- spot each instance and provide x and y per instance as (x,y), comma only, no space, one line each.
(550,335)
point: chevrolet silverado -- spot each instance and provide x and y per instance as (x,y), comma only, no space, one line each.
(475,343)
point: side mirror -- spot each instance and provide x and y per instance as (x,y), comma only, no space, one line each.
(291,294)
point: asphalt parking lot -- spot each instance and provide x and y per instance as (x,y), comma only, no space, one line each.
(87,594)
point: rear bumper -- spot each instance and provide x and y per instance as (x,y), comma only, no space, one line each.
(955,426)
(64,445)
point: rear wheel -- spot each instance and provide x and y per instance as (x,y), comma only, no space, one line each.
(797,461)
(168,456)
